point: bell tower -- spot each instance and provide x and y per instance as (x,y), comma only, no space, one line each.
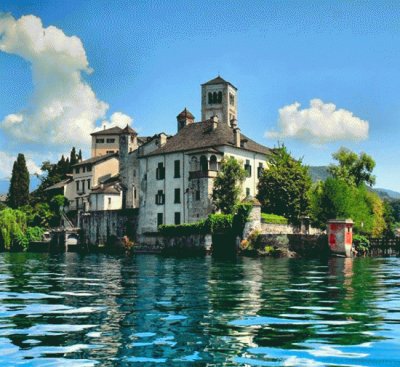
(219,97)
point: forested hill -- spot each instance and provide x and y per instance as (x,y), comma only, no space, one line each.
(318,173)
(321,173)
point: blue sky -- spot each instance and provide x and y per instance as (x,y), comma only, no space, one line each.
(149,58)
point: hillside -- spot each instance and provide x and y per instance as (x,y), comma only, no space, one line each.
(321,173)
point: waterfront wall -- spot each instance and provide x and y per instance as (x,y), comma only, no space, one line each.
(197,242)
(107,227)
(296,244)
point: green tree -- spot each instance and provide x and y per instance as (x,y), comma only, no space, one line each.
(352,168)
(335,198)
(12,226)
(18,194)
(283,187)
(228,185)
(73,158)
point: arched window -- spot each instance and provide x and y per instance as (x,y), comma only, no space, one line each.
(194,164)
(215,97)
(213,163)
(219,97)
(210,98)
(203,163)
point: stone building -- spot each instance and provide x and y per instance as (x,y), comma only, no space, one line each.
(171,179)
(106,141)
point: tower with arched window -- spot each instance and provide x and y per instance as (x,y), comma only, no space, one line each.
(219,97)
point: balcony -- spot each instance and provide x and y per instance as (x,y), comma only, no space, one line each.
(202,174)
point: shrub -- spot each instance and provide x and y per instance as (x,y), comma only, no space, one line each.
(273,218)
(361,243)
(215,223)
(183,229)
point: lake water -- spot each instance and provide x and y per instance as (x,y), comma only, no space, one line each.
(148,310)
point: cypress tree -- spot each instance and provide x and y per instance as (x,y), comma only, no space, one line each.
(80,155)
(18,194)
(73,157)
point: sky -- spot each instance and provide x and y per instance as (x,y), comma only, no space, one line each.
(315,75)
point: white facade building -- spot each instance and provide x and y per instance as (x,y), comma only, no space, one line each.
(175,175)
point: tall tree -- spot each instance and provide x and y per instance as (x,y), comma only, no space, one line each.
(228,185)
(80,155)
(335,198)
(73,158)
(352,168)
(18,194)
(284,186)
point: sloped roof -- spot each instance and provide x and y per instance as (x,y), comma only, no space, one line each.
(218,80)
(116,130)
(200,135)
(106,189)
(185,114)
(95,160)
(59,185)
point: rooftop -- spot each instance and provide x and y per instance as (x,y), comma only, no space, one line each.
(219,80)
(116,130)
(95,160)
(200,135)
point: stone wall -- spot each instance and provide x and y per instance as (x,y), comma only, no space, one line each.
(194,243)
(107,227)
(302,245)
(273,228)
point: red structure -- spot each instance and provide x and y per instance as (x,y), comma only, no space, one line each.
(340,236)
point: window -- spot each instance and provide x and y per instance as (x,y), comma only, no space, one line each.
(247,167)
(77,170)
(177,196)
(109,201)
(203,163)
(89,168)
(83,169)
(177,169)
(159,219)
(160,171)
(260,170)
(177,218)
(88,184)
(83,186)
(110,141)
(231,99)
(210,98)
(247,191)
(197,195)
(99,141)
(219,97)
(213,163)
(109,151)
(160,197)
(77,185)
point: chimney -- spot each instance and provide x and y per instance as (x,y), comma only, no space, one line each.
(214,120)
(236,133)
(163,139)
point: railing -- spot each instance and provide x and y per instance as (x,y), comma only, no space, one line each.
(202,174)
(384,247)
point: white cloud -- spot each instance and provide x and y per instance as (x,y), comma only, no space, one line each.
(63,109)
(320,123)
(116,119)
(6,163)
